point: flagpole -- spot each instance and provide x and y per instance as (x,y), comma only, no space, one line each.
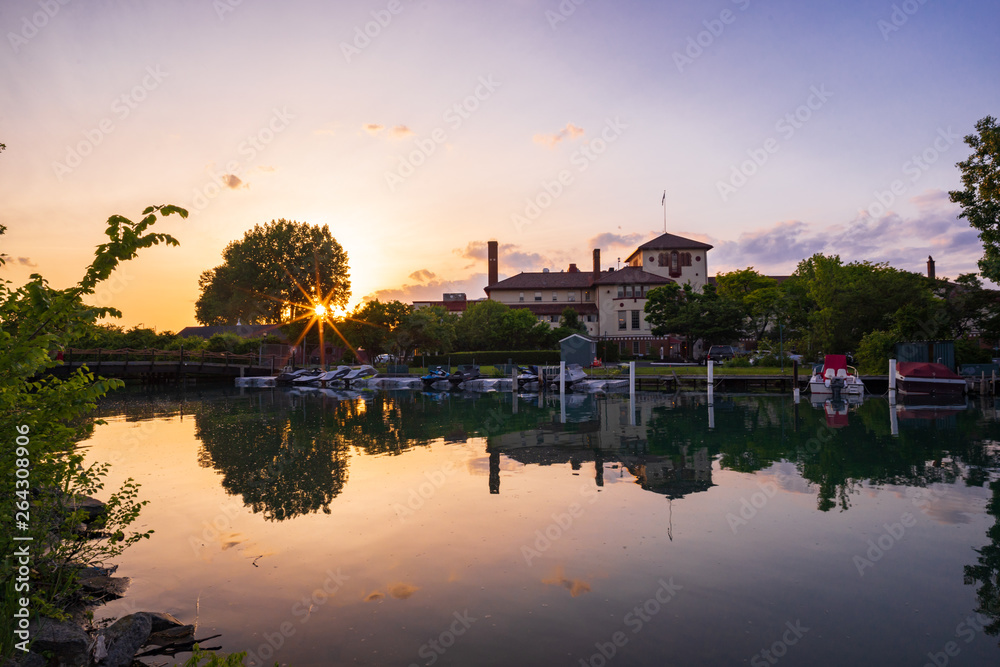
(663,202)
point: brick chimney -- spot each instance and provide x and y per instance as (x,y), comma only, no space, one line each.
(572,269)
(492,263)
(930,267)
(597,263)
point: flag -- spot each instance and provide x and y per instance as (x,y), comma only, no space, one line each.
(664,200)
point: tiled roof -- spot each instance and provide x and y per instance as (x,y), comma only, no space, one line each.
(543,280)
(631,275)
(673,242)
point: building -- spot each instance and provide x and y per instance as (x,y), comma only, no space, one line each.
(611,303)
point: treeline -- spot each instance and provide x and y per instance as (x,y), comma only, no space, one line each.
(114,337)
(827,306)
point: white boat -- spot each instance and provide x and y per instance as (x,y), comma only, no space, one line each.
(835,376)
(574,373)
(360,373)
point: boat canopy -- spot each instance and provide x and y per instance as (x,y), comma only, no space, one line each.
(834,362)
(925,369)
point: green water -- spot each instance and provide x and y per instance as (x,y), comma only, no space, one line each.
(399,528)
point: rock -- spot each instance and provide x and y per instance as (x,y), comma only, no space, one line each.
(105,588)
(29,659)
(125,637)
(91,507)
(182,634)
(67,642)
(162,621)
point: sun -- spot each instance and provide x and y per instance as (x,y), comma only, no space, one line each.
(320,310)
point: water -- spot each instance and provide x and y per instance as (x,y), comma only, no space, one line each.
(412,528)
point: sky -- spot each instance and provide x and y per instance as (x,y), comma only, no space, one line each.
(420,129)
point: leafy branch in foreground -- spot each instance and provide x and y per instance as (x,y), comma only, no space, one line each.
(51,416)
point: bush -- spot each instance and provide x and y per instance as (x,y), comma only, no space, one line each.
(739,362)
(520,357)
(874,351)
(969,352)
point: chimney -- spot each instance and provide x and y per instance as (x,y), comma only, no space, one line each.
(492,266)
(572,269)
(930,267)
(597,263)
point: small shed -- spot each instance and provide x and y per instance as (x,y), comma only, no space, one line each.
(578,349)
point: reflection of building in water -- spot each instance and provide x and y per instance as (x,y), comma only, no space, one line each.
(599,432)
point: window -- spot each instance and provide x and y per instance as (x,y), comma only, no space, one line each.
(645,290)
(555,296)
(521,297)
(590,318)
(635,346)
(621,291)
(553,318)
(621,320)
(628,290)
(586,295)
(538,296)
(635,319)
(571,296)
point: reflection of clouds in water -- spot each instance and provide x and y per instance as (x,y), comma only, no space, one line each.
(575,587)
(945,503)
(400,591)
(787,478)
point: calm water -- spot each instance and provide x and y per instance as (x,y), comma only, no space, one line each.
(415,528)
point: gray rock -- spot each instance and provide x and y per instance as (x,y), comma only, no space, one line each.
(67,642)
(92,507)
(105,588)
(162,621)
(182,634)
(29,659)
(125,637)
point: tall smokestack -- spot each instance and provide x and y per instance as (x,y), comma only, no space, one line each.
(930,267)
(492,263)
(597,263)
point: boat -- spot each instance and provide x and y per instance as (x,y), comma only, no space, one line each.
(835,378)
(323,379)
(364,372)
(928,378)
(288,377)
(574,373)
(435,374)
(464,373)
(527,375)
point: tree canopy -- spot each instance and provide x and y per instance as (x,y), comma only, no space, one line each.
(698,315)
(275,270)
(980,200)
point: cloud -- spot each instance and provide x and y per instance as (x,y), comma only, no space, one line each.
(23,261)
(400,131)
(373,128)
(422,276)
(903,243)
(510,256)
(571,131)
(472,286)
(395,132)
(232,181)
(609,240)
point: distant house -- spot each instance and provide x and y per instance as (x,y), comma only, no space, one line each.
(611,303)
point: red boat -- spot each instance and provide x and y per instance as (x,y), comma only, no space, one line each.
(927,378)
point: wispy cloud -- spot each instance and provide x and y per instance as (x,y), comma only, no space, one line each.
(902,242)
(571,131)
(433,290)
(374,128)
(394,132)
(609,240)
(232,181)
(510,255)
(22,261)
(400,131)
(423,276)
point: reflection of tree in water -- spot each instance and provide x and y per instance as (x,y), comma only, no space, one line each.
(986,572)
(283,463)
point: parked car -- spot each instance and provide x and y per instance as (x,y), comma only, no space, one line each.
(719,353)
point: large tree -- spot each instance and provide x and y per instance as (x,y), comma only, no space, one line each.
(273,273)
(980,200)
(373,325)
(705,315)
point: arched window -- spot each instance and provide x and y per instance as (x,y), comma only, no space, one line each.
(675,264)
